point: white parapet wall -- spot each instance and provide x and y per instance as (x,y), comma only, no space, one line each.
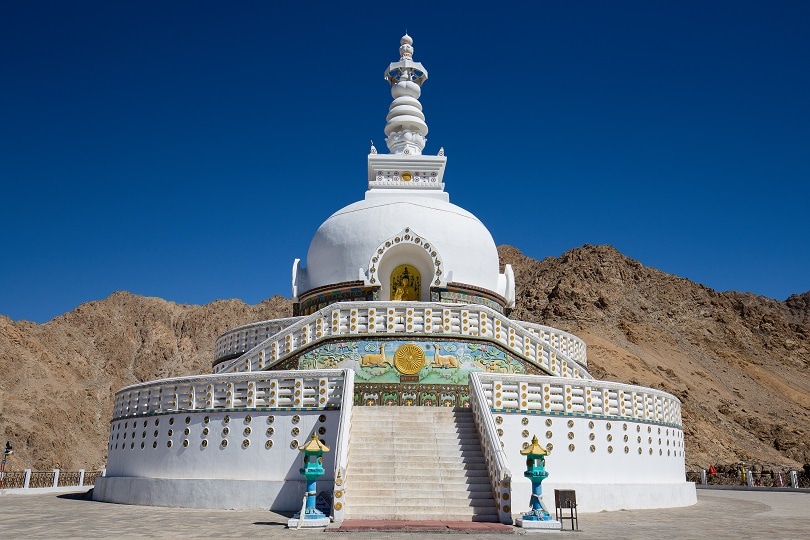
(231,441)
(221,441)
(241,339)
(351,320)
(619,446)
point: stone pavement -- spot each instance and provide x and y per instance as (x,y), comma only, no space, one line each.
(719,514)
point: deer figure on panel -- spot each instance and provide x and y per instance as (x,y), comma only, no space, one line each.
(375,359)
(442,360)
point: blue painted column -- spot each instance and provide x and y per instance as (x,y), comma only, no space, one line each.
(312,470)
(536,472)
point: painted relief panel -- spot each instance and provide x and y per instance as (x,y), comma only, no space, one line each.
(406,361)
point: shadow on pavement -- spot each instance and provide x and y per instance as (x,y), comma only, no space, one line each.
(80,496)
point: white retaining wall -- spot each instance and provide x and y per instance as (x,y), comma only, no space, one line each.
(621,446)
(223,455)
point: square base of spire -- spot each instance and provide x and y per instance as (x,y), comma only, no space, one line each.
(406,172)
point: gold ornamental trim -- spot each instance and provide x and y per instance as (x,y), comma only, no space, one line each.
(409,359)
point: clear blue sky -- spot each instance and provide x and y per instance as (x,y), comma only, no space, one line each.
(190,149)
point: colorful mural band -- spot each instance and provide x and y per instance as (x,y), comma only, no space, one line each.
(407,395)
(422,362)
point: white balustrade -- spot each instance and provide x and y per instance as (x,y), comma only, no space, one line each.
(566,343)
(342,444)
(243,338)
(316,389)
(497,463)
(541,394)
(386,318)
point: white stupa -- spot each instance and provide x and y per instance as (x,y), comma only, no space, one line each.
(400,357)
(405,218)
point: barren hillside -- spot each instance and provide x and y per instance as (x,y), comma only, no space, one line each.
(58,378)
(739,362)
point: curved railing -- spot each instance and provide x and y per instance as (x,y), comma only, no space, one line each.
(568,344)
(315,389)
(497,463)
(354,319)
(241,339)
(578,397)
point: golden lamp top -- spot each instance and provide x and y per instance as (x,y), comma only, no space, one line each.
(535,448)
(314,445)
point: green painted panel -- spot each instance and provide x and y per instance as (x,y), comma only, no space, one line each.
(444,362)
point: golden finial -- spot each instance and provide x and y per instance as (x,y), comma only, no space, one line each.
(314,445)
(535,448)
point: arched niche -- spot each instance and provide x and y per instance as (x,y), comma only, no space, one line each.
(411,256)
(406,248)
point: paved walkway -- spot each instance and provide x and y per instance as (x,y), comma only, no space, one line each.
(719,514)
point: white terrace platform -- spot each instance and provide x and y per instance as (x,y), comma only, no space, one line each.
(230,441)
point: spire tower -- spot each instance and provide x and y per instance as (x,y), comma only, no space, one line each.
(405,166)
(405,129)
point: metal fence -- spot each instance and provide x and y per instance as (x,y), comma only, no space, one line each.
(41,479)
(29,479)
(69,478)
(13,480)
(745,477)
(90,477)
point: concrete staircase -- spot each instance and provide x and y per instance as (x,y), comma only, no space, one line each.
(417,463)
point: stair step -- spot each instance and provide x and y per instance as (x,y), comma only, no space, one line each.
(410,421)
(424,474)
(457,464)
(414,420)
(435,468)
(420,455)
(421,492)
(480,476)
(367,501)
(404,444)
(405,516)
(438,470)
(443,463)
(423,513)
(413,431)
(371,438)
(414,411)
(379,486)
(425,458)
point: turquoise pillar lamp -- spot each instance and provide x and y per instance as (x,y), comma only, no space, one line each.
(310,516)
(536,472)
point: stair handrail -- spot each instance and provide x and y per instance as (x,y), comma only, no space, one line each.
(342,446)
(497,463)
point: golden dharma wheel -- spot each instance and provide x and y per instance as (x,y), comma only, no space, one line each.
(409,359)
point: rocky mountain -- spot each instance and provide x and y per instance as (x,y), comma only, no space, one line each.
(58,379)
(739,362)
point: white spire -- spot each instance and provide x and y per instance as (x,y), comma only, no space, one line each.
(405,129)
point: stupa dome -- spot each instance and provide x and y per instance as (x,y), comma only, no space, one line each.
(347,242)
